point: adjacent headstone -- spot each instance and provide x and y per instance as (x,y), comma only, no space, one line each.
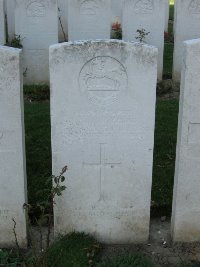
(12,155)
(102,113)
(2,23)
(89,19)
(150,16)
(63,20)
(10,10)
(187,25)
(116,7)
(186,209)
(36,22)
(116,16)
(167,14)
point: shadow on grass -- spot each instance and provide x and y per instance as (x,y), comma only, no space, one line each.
(165,151)
(38,148)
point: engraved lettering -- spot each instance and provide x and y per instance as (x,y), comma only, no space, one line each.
(144,6)
(4,213)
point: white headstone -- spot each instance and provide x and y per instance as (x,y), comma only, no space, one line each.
(166,14)
(10,9)
(116,7)
(2,23)
(36,21)
(116,11)
(102,107)
(186,208)
(89,19)
(12,155)
(150,16)
(187,25)
(63,20)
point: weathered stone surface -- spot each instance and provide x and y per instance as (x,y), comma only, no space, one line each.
(37,24)
(149,15)
(89,19)
(186,208)
(12,155)
(62,13)
(2,23)
(102,113)
(186,27)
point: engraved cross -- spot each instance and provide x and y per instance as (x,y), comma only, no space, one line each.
(102,166)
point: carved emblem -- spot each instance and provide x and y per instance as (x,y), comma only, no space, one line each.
(103,78)
(36,9)
(194,7)
(89,7)
(144,6)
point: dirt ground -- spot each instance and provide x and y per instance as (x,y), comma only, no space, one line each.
(168,89)
(159,247)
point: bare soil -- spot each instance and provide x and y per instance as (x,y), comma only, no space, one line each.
(159,248)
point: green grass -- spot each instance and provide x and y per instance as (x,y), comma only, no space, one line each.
(164,151)
(168,59)
(76,250)
(38,149)
(72,251)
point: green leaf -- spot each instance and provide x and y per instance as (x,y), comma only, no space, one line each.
(62,179)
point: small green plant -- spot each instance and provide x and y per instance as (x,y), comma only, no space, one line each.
(16,42)
(10,258)
(46,208)
(142,35)
(37,256)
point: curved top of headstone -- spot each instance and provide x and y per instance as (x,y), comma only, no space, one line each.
(9,49)
(147,52)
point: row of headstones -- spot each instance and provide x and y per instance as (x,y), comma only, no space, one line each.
(37,24)
(116,16)
(102,115)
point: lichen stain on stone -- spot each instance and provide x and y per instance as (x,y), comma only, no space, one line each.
(12,58)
